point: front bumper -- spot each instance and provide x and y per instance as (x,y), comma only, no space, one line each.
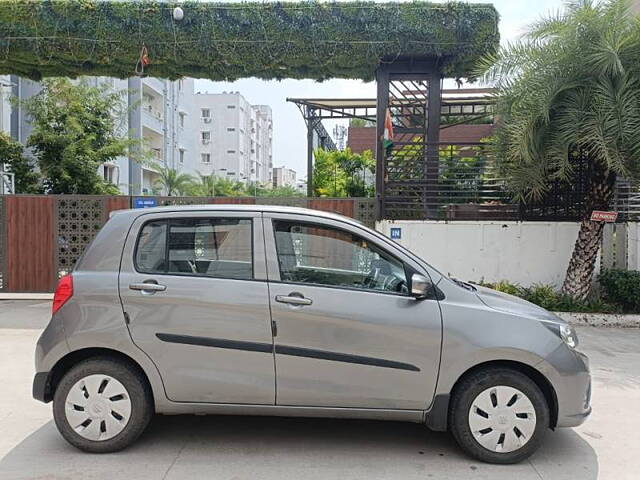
(40,388)
(568,371)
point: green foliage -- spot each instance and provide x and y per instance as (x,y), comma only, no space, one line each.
(463,172)
(360,122)
(26,179)
(551,299)
(171,182)
(342,173)
(572,84)
(229,188)
(506,287)
(621,287)
(258,190)
(227,41)
(282,192)
(75,130)
(201,186)
(212,186)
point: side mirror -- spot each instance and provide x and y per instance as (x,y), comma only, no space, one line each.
(421,286)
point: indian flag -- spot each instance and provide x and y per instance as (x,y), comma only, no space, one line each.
(387,137)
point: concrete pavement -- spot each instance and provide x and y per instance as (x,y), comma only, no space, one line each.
(188,447)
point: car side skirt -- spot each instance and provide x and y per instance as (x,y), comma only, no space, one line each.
(175,408)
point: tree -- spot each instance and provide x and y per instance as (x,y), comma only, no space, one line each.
(571,87)
(202,186)
(25,177)
(342,173)
(361,122)
(284,191)
(171,181)
(75,130)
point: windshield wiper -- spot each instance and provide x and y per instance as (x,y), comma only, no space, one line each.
(465,285)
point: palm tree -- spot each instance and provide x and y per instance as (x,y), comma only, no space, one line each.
(204,185)
(571,86)
(171,181)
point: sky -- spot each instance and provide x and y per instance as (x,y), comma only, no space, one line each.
(289,133)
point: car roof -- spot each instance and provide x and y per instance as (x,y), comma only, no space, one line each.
(226,207)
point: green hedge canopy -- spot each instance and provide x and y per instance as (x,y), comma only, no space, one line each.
(227,41)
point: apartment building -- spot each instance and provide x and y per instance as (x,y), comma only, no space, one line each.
(162,121)
(157,115)
(234,137)
(220,134)
(284,177)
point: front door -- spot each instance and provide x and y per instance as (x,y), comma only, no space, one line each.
(193,287)
(348,332)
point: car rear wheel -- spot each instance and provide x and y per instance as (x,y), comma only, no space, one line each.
(102,405)
(498,415)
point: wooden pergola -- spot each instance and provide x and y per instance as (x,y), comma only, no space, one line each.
(408,48)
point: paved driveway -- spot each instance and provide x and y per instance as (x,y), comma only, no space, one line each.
(606,447)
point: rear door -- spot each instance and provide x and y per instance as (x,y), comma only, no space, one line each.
(348,333)
(193,287)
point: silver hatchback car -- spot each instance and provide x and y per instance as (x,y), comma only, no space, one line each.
(258,310)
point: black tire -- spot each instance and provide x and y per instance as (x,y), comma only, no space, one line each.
(473,385)
(139,392)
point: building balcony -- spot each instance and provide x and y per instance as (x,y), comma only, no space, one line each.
(155,84)
(152,119)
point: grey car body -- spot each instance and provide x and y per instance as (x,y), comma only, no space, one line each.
(226,346)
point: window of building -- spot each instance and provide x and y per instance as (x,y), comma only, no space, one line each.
(182,117)
(181,158)
(231,151)
(207,247)
(231,107)
(205,113)
(108,173)
(205,157)
(206,137)
(321,255)
(231,129)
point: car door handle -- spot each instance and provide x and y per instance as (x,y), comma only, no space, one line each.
(293,300)
(148,287)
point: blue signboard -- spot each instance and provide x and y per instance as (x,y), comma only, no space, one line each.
(396,233)
(144,202)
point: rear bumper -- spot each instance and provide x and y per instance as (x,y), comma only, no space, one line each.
(40,388)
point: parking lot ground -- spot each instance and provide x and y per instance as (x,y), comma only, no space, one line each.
(607,446)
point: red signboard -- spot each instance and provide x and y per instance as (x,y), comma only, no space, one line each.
(598,216)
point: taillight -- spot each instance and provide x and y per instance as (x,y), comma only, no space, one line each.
(64,291)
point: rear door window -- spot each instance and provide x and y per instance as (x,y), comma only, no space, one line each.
(208,247)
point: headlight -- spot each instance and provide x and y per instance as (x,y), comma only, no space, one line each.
(565,332)
(568,335)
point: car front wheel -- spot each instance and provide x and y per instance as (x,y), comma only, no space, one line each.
(499,415)
(102,405)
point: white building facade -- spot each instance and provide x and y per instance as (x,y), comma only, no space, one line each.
(219,134)
(162,121)
(234,138)
(284,177)
(157,115)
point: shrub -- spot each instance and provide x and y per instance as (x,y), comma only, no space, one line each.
(547,297)
(507,287)
(621,287)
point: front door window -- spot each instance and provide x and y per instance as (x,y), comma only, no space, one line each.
(321,255)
